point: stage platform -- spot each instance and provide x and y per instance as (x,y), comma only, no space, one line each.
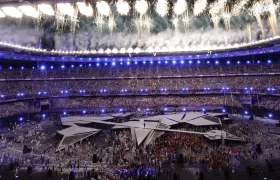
(145,129)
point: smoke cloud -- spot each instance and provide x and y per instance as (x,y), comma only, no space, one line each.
(88,38)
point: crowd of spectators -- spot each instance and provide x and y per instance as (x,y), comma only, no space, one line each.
(145,102)
(243,84)
(155,81)
(149,70)
(112,154)
(134,78)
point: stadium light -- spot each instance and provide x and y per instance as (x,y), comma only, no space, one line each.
(173,62)
(121,110)
(228,62)
(238,62)
(84,111)
(22,68)
(97,64)
(113,63)
(270,115)
(166,62)
(269,61)
(208,62)
(21,118)
(258,62)
(102,111)
(135,62)
(190,62)
(10,67)
(51,67)
(198,62)
(159,62)
(224,110)
(43,67)
(43,115)
(64,113)
(62,66)
(246,112)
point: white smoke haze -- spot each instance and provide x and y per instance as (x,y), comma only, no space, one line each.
(13,34)
(169,38)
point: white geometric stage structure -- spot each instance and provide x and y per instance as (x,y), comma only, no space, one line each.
(144,130)
(74,134)
(74,120)
(219,134)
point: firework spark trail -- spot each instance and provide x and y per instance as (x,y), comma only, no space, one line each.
(272,17)
(99,23)
(215,19)
(142,21)
(226,17)
(175,23)
(217,7)
(257,10)
(111,24)
(73,21)
(249,32)
(186,20)
(216,10)
(239,7)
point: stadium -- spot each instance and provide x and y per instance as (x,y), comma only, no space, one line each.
(139,89)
